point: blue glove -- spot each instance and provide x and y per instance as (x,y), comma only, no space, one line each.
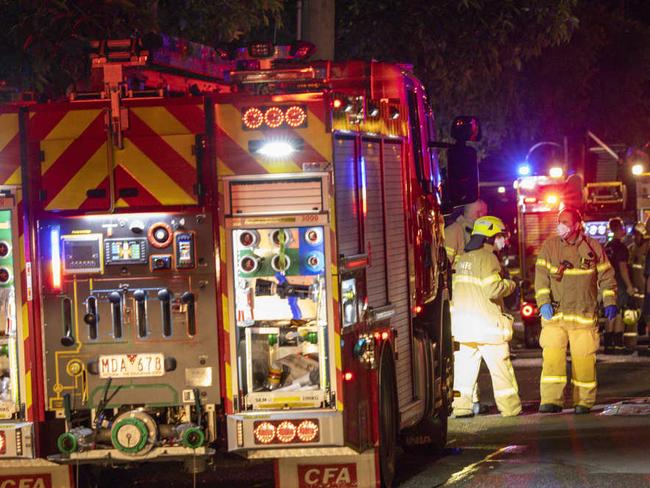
(547,311)
(611,311)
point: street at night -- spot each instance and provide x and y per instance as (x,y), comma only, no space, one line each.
(324,243)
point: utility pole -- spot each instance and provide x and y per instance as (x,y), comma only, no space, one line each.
(316,25)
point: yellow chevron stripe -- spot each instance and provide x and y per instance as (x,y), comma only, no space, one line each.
(121,203)
(229,119)
(24,311)
(28,389)
(182,144)
(15,178)
(222,169)
(228,382)
(314,134)
(226,314)
(21,243)
(8,129)
(89,176)
(151,176)
(72,124)
(161,120)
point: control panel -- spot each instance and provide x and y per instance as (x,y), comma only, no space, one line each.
(129,298)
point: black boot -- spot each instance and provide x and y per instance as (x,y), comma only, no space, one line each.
(619,348)
(609,343)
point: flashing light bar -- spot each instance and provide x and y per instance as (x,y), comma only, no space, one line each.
(556,172)
(552,199)
(364,199)
(55,263)
(275,148)
(637,169)
(523,169)
(274,117)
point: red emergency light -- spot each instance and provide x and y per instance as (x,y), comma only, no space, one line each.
(274,117)
(528,310)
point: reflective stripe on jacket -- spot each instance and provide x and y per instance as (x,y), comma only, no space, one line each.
(456,236)
(478,291)
(575,285)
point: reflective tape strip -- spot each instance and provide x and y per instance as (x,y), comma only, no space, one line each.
(578,272)
(545,264)
(451,251)
(585,384)
(553,379)
(469,390)
(505,392)
(638,266)
(603,267)
(542,291)
(581,319)
(609,293)
(459,278)
(631,334)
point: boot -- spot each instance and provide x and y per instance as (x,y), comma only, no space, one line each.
(619,348)
(609,343)
(549,408)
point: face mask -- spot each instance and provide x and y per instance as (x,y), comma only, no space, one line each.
(563,230)
(499,243)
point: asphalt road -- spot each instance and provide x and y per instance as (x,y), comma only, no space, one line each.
(559,450)
(534,450)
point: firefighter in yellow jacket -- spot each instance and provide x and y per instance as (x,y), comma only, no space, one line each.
(457,234)
(479,323)
(571,272)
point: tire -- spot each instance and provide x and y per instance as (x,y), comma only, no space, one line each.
(387,419)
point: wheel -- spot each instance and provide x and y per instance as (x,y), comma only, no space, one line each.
(387,419)
(531,335)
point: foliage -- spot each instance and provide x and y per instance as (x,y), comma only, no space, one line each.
(467,52)
(42,43)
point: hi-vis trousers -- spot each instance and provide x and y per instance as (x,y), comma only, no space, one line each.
(583,342)
(467,362)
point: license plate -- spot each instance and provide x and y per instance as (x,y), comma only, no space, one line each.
(131,365)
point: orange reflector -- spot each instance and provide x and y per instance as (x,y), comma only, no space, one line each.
(384,335)
(295,116)
(273,117)
(337,103)
(377,335)
(348,376)
(417,309)
(253,118)
(530,200)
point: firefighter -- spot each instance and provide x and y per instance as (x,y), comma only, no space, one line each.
(619,257)
(479,323)
(570,272)
(457,235)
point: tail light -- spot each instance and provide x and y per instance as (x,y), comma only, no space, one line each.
(286,431)
(528,310)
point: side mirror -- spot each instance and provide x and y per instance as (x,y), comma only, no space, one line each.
(460,185)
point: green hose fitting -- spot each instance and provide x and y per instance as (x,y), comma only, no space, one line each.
(67,443)
(193,437)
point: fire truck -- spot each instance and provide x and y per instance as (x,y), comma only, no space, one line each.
(238,251)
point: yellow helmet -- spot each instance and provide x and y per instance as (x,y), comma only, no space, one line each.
(631,317)
(488,226)
(641,228)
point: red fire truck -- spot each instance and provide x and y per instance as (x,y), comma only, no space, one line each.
(236,250)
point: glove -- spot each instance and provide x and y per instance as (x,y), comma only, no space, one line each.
(611,311)
(547,311)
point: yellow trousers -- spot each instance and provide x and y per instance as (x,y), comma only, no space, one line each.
(583,343)
(467,362)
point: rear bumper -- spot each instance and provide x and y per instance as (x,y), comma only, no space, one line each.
(34,472)
(102,456)
(241,434)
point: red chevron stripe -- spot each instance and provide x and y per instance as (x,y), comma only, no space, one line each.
(123,179)
(10,158)
(163,155)
(74,158)
(97,203)
(42,123)
(233,156)
(191,116)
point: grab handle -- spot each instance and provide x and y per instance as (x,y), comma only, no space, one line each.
(66,313)
(165,297)
(188,299)
(115,297)
(140,297)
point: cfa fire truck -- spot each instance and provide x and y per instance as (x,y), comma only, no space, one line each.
(205,250)
(539,199)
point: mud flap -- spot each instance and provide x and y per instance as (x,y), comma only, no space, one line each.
(35,473)
(352,471)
